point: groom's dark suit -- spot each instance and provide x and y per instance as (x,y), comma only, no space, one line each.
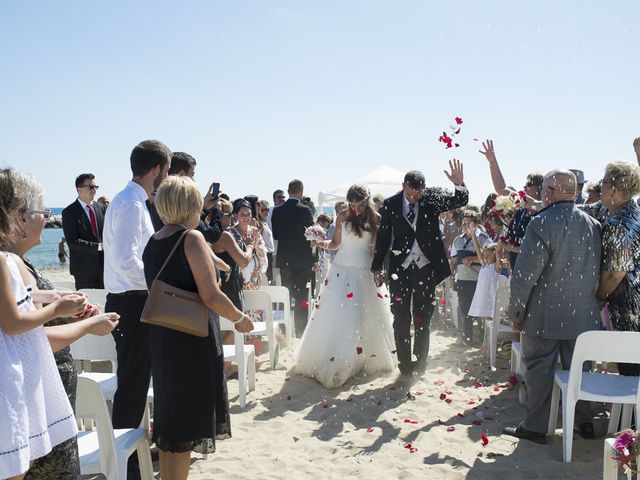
(86,262)
(398,233)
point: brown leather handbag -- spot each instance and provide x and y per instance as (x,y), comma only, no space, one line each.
(172,307)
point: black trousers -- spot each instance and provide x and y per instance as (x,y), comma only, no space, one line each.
(412,287)
(295,279)
(134,360)
(466,291)
(95,280)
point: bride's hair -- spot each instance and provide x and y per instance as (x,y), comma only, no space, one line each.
(368,221)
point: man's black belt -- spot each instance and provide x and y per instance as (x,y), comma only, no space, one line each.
(132,293)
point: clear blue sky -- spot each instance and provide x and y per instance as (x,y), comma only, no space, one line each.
(261,92)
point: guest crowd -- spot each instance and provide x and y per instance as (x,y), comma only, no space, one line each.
(569,252)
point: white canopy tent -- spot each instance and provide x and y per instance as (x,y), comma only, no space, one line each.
(381,180)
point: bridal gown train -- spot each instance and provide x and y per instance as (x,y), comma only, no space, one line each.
(351,328)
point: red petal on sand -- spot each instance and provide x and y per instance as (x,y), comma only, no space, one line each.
(317,305)
(466,370)
(304,304)
(459,120)
(485,440)
(379,295)
(477,384)
(448,392)
(350,295)
(326,280)
(332,359)
(448,400)
(370,429)
(412,422)
(325,403)
(443,396)
(456,145)
(358,350)
(443,301)
(496,389)
(477,422)
(439,382)
(471,402)
(411,448)
(451,429)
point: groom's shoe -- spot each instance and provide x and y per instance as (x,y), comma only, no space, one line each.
(406,369)
(524,434)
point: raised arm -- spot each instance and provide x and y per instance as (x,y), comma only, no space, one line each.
(499,184)
(228,244)
(636,147)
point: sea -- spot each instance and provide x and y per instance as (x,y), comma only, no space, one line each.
(45,255)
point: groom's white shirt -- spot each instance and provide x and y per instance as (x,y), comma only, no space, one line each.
(416,255)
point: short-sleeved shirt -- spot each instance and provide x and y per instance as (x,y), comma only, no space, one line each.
(621,253)
(462,247)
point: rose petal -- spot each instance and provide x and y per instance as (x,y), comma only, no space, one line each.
(326,280)
(471,402)
(448,400)
(379,295)
(325,403)
(332,359)
(443,396)
(459,120)
(350,295)
(370,429)
(451,428)
(358,350)
(485,440)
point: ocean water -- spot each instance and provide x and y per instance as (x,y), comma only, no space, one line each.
(45,255)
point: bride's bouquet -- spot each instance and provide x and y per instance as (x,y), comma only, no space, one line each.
(315,233)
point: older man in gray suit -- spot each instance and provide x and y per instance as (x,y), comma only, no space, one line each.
(553,298)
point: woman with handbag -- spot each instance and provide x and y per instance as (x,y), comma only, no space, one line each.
(191,401)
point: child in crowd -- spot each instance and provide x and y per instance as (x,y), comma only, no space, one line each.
(484,298)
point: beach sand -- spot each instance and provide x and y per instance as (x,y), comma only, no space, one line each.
(366,426)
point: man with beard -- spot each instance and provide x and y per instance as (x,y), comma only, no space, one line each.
(127,228)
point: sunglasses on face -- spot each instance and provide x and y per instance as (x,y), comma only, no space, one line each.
(46,213)
(92,187)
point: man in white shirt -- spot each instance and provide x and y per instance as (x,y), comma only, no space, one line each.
(127,228)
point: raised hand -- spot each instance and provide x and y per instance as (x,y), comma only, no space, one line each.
(457,172)
(636,147)
(489,152)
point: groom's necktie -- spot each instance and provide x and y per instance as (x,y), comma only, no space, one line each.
(411,216)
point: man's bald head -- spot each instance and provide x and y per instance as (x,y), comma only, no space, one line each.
(558,186)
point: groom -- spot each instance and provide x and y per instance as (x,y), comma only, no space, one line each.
(418,260)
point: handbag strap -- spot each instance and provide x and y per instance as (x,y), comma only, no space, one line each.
(172,252)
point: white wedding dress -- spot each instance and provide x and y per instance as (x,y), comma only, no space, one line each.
(351,326)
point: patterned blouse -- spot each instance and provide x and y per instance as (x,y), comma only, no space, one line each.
(621,253)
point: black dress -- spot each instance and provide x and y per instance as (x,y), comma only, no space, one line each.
(232,281)
(190,392)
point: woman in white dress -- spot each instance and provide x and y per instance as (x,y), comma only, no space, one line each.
(35,413)
(351,326)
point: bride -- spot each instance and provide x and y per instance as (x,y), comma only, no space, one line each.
(351,326)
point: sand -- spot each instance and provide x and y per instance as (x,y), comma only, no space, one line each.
(372,428)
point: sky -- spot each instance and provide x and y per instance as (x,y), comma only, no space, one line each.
(260,92)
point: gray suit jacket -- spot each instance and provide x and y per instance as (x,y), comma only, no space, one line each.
(554,282)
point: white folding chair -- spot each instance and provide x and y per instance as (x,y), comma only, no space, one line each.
(105,450)
(261,300)
(453,305)
(495,326)
(244,356)
(280,295)
(574,384)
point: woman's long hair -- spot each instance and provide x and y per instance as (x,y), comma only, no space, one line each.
(8,207)
(368,221)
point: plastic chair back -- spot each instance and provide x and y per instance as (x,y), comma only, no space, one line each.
(90,403)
